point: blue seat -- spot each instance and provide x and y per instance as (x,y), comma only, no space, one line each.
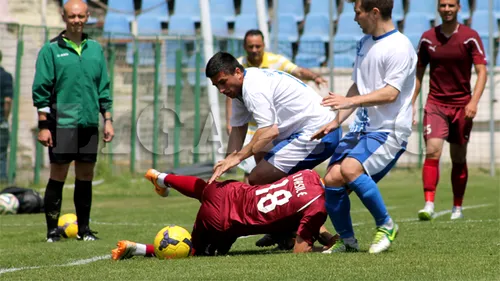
(188,8)
(191,76)
(321,7)
(398,13)
(224,9)
(427,8)
(291,7)
(464,10)
(285,49)
(249,7)
(219,26)
(243,23)
(148,25)
(181,25)
(344,60)
(310,53)
(414,39)
(287,28)
(155,8)
(483,5)
(116,25)
(146,53)
(480,23)
(316,28)
(416,23)
(347,28)
(348,9)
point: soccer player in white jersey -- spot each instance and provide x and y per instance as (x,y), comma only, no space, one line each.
(384,80)
(287,112)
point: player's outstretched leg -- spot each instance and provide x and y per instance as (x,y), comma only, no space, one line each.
(189,186)
(126,249)
(158,180)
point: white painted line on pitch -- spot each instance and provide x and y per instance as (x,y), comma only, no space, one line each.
(438,214)
(74,263)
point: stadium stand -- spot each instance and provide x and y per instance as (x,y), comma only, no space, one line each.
(219,26)
(291,7)
(398,13)
(117,25)
(224,9)
(426,7)
(318,7)
(155,8)
(415,25)
(243,23)
(480,23)
(188,8)
(249,7)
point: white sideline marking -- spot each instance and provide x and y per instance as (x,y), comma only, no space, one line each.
(74,263)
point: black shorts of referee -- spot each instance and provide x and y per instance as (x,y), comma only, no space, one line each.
(74,144)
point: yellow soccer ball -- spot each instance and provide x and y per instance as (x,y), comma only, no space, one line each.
(68,225)
(173,242)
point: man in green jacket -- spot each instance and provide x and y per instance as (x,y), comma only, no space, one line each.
(70,89)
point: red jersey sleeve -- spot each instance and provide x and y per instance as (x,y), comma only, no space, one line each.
(476,49)
(423,54)
(314,217)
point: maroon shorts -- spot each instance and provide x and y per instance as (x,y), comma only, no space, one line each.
(446,122)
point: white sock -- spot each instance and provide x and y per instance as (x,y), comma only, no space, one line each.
(389,224)
(140,249)
(429,204)
(349,240)
(161,180)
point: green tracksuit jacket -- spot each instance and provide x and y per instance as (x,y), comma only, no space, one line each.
(73,82)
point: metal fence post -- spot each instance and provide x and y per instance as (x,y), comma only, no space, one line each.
(133,125)
(156,102)
(15,109)
(178,94)
(197,93)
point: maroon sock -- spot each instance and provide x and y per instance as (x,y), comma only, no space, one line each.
(430,178)
(150,250)
(459,175)
(188,185)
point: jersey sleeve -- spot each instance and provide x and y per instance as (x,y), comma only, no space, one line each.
(240,114)
(398,65)
(286,65)
(262,107)
(476,49)
(423,54)
(314,217)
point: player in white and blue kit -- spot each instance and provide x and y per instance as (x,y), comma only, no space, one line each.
(384,80)
(287,112)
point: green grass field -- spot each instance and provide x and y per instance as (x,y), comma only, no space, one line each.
(125,208)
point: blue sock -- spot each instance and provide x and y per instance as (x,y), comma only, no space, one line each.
(338,207)
(368,192)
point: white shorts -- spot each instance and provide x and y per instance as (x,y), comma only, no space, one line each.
(378,152)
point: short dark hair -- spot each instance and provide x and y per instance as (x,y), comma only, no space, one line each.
(222,62)
(253,32)
(384,6)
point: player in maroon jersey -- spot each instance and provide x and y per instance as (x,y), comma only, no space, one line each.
(231,209)
(451,49)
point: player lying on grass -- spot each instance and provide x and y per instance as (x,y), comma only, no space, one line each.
(231,209)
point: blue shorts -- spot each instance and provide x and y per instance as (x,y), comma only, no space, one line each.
(376,151)
(298,152)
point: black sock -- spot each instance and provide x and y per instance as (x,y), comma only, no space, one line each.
(52,203)
(83,201)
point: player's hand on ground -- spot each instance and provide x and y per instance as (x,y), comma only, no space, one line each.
(337,102)
(45,137)
(470,110)
(325,130)
(224,165)
(109,132)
